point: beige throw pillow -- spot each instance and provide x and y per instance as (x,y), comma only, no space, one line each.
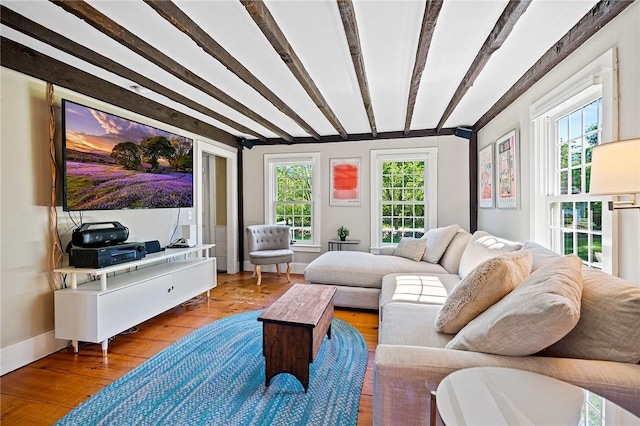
(411,248)
(609,325)
(536,314)
(438,240)
(483,246)
(489,282)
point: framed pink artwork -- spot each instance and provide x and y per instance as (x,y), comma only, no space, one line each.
(485,177)
(345,181)
(507,171)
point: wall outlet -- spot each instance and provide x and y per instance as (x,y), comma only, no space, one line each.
(189,215)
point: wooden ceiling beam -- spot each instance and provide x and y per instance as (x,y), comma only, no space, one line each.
(174,15)
(269,27)
(358,137)
(350,24)
(599,16)
(45,35)
(429,19)
(510,16)
(120,34)
(35,64)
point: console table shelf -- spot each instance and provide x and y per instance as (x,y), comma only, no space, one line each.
(97,310)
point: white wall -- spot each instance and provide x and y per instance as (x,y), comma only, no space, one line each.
(623,33)
(453,185)
(26,280)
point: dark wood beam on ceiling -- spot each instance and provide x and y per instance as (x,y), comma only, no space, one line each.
(429,19)
(35,64)
(350,24)
(38,32)
(510,16)
(599,16)
(357,137)
(269,27)
(120,34)
(172,13)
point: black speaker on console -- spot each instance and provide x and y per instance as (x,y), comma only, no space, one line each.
(153,246)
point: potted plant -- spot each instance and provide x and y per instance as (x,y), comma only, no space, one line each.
(342,233)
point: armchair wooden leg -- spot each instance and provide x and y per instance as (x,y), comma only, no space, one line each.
(288,272)
(278,268)
(259,272)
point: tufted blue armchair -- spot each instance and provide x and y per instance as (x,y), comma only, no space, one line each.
(269,245)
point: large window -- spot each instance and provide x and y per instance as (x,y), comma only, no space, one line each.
(576,220)
(403,194)
(292,195)
(567,124)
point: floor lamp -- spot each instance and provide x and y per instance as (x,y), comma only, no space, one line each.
(615,170)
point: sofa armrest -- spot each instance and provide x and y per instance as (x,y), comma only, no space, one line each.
(404,376)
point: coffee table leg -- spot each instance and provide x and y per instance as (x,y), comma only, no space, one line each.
(329,331)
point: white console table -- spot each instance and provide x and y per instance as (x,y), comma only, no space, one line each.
(136,291)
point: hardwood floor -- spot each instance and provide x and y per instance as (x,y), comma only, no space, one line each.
(44,391)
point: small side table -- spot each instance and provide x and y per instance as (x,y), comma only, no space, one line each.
(337,244)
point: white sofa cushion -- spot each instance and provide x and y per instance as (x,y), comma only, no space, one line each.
(536,314)
(411,248)
(438,240)
(483,246)
(411,324)
(489,282)
(360,269)
(451,258)
(609,325)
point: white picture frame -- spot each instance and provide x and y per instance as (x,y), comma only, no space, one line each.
(344,185)
(507,165)
(485,177)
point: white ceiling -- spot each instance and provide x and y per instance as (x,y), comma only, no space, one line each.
(388,32)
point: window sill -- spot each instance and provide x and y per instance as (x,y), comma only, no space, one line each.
(305,248)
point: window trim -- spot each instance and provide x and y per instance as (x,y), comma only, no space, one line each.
(270,161)
(377,156)
(599,77)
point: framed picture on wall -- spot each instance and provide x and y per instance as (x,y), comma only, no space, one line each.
(507,171)
(345,181)
(485,177)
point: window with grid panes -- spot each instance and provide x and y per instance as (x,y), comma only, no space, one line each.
(403,194)
(576,220)
(291,195)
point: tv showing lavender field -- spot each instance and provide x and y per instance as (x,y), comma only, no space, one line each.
(114,163)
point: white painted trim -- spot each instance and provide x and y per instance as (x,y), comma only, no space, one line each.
(232,197)
(30,350)
(430,157)
(270,161)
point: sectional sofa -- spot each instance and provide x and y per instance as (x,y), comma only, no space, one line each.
(487,301)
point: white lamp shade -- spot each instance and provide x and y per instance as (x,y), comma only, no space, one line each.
(615,168)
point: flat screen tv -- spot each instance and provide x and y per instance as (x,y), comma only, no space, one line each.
(110,163)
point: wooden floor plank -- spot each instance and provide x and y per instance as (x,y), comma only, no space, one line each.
(44,391)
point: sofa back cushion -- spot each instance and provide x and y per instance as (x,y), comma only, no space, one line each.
(438,240)
(489,282)
(609,325)
(483,246)
(450,260)
(541,254)
(536,314)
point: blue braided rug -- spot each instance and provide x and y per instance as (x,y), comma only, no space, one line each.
(215,376)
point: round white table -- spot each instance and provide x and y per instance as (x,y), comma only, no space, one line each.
(505,396)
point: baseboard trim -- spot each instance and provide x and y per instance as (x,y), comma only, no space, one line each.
(296,268)
(30,350)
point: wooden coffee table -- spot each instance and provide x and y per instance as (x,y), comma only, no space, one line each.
(293,329)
